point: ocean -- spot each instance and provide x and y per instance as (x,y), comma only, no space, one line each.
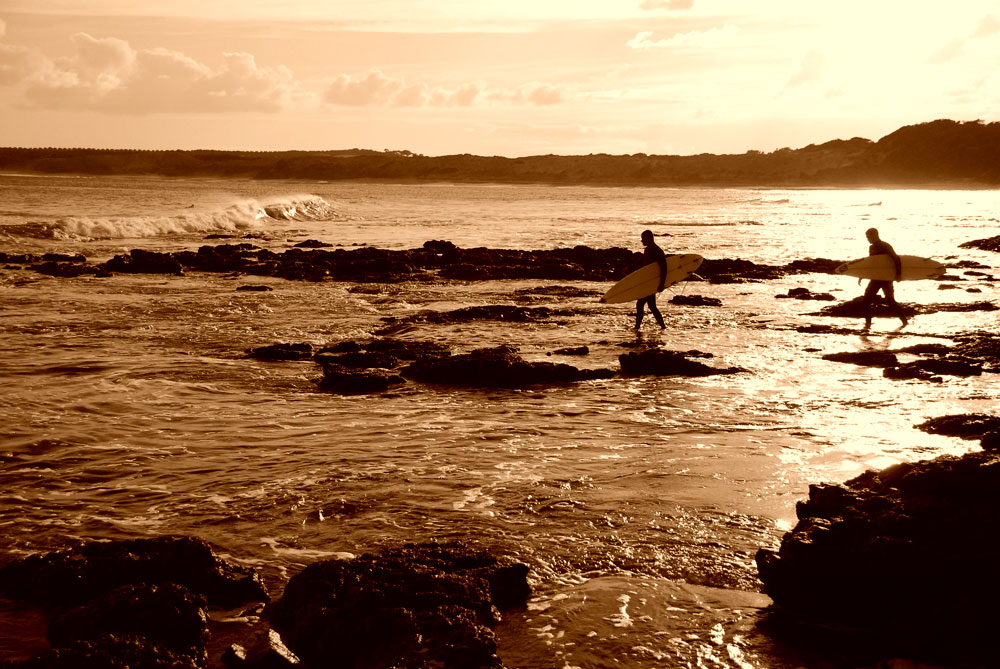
(129,407)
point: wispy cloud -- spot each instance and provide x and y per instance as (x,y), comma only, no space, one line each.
(108,75)
(987,28)
(377,89)
(810,71)
(666,4)
(694,39)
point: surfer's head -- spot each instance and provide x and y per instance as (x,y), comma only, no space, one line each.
(647,237)
(872,234)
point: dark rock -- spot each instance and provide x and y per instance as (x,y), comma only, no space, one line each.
(856,309)
(556,291)
(424,605)
(166,614)
(865,358)
(990,441)
(988,244)
(358,360)
(806,294)
(312,244)
(399,349)
(281,351)
(111,652)
(495,312)
(966,426)
(346,381)
(813,265)
(20,258)
(64,269)
(881,555)
(696,301)
(265,651)
(572,350)
(658,362)
(910,373)
(254,288)
(936,367)
(498,367)
(984,347)
(144,262)
(78,575)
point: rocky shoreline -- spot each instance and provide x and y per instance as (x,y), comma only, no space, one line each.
(895,563)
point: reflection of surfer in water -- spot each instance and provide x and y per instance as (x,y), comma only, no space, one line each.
(879,247)
(652,253)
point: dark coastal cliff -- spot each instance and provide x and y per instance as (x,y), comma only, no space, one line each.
(941,153)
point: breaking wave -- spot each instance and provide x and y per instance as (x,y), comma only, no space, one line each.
(239,217)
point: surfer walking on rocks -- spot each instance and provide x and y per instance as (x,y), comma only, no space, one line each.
(878,247)
(651,253)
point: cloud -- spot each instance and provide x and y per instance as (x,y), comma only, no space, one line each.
(374,89)
(666,4)
(108,75)
(810,70)
(987,28)
(695,39)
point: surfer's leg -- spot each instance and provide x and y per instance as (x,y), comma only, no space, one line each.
(639,311)
(653,309)
(870,292)
(890,297)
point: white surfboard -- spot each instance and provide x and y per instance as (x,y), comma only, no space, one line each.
(645,280)
(882,268)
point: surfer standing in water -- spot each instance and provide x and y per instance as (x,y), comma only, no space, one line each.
(652,253)
(879,247)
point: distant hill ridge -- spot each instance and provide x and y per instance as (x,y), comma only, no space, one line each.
(940,153)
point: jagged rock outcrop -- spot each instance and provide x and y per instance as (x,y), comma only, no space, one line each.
(903,556)
(424,605)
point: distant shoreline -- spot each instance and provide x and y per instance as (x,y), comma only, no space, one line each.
(941,155)
(949,186)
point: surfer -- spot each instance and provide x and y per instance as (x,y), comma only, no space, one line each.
(878,247)
(651,253)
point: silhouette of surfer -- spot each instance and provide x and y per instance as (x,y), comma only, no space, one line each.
(879,247)
(651,253)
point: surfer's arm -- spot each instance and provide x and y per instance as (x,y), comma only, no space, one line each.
(896,261)
(662,262)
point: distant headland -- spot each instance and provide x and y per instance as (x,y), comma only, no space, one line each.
(940,154)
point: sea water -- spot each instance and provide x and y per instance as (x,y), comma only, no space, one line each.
(129,408)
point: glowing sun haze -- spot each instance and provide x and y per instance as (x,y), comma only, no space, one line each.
(511,77)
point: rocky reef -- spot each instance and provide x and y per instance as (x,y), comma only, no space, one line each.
(145,603)
(898,561)
(434,260)
(352,368)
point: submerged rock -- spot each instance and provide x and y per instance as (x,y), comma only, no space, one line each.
(281,351)
(966,425)
(352,381)
(499,367)
(167,615)
(659,362)
(425,605)
(865,358)
(890,554)
(76,576)
(806,294)
(696,301)
(134,603)
(988,244)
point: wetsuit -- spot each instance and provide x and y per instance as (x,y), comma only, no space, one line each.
(876,249)
(652,253)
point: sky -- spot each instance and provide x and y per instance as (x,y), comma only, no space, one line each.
(506,77)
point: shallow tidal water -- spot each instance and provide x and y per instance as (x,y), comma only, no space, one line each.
(130,409)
